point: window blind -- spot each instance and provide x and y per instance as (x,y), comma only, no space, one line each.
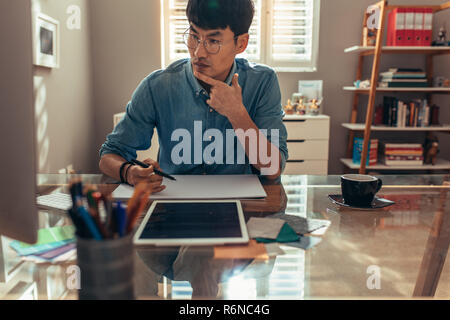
(292,30)
(284,33)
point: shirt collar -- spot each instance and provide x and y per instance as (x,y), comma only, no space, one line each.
(197,86)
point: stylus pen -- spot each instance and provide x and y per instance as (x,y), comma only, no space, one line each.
(156,171)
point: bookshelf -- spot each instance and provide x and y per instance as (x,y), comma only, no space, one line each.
(376,52)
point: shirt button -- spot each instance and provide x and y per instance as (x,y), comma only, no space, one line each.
(211,110)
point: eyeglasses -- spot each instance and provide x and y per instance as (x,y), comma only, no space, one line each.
(212,46)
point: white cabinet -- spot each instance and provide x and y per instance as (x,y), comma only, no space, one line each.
(308,144)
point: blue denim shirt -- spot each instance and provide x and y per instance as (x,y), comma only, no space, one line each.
(173,99)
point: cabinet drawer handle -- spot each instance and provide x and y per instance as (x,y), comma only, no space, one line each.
(296,161)
(288,120)
(297,141)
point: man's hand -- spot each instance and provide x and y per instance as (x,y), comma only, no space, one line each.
(225,99)
(138,174)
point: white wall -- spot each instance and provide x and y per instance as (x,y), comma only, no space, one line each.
(64,95)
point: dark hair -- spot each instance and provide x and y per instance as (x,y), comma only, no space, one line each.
(219,14)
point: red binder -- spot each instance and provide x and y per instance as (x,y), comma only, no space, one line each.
(427,27)
(418,26)
(396,28)
(409,27)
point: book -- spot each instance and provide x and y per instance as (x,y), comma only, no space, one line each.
(396,27)
(372,156)
(427,27)
(403,84)
(403,153)
(48,239)
(404,75)
(404,80)
(418,26)
(404,158)
(406,70)
(397,113)
(403,145)
(403,163)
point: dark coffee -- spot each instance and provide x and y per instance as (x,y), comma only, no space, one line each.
(359,190)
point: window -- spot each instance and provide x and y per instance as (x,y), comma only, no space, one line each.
(284,33)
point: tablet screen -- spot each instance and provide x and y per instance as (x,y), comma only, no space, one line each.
(193,220)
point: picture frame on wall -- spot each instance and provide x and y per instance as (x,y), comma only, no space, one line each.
(46,41)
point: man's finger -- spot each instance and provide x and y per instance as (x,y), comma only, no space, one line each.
(144,172)
(235,82)
(152,163)
(206,79)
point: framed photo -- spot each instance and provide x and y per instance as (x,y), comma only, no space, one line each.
(46,41)
(311,89)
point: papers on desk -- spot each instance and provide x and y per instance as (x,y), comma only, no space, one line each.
(205,187)
(286,229)
(54,245)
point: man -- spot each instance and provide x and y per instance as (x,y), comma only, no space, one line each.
(202,104)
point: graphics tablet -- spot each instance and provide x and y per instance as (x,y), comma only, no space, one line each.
(190,223)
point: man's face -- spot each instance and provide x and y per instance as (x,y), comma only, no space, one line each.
(216,65)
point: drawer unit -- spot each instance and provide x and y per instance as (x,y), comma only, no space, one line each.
(308,150)
(308,144)
(313,167)
(308,129)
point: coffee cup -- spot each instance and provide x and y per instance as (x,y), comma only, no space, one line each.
(359,190)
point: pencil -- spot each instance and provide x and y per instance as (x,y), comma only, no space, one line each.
(156,171)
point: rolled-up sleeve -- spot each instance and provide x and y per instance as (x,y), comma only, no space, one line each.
(134,132)
(269,115)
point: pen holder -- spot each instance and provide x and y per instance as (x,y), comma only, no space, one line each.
(107,269)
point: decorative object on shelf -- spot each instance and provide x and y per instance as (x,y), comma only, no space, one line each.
(46,41)
(431,148)
(301,108)
(441,82)
(362,84)
(297,98)
(310,90)
(442,37)
(289,108)
(369,37)
(314,108)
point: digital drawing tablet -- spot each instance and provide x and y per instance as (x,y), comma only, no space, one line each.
(191,223)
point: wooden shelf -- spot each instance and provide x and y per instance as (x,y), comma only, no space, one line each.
(441,164)
(362,127)
(399,50)
(379,89)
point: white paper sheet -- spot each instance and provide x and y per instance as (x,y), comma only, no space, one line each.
(203,187)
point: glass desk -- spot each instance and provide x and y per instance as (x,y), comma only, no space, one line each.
(395,252)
